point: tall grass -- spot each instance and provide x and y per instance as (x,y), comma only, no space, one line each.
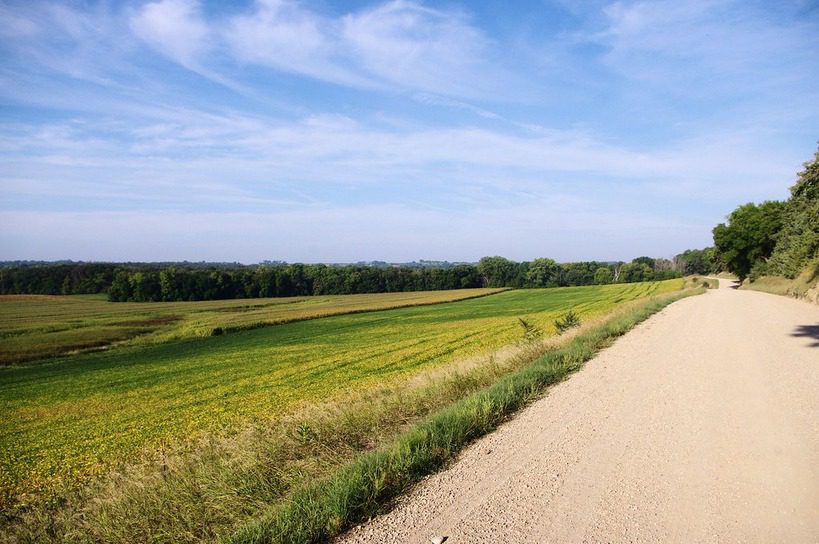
(804,286)
(361,489)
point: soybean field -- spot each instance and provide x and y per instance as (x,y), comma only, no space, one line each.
(67,419)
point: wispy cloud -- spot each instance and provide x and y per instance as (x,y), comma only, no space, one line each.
(174,27)
(709,46)
(400,45)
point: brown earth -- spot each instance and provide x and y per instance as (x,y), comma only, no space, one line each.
(700,425)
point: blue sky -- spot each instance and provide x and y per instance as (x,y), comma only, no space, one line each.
(400,130)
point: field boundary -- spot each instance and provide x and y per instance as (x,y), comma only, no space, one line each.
(369,484)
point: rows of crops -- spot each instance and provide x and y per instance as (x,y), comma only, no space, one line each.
(35,326)
(70,418)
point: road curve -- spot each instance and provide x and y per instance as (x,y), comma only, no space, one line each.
(700,425)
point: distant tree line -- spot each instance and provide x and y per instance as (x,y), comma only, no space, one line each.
(543,272)
(179,282)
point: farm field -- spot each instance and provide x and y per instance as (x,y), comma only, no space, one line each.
(39,326)
(70,418)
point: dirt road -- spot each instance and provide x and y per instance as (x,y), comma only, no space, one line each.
(701,425)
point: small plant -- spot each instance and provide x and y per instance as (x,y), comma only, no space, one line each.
(568,321)
(305,433)
(531,332)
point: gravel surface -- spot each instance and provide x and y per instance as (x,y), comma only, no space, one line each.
(700,425)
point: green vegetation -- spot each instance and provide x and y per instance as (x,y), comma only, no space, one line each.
(774,238)
(693,282)
(35,326)
(228,479)
(698,261)
(749,236)
(322,510)
(797,244)
(804,286)
(70,419)
(569,320)
(170,282)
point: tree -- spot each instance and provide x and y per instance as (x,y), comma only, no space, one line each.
(120,290)
(603,275)
(797,244)
(648,261)
(496,271)
(541,273)
(749,236)
(696,261)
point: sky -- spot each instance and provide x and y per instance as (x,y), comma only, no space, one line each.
(321,131)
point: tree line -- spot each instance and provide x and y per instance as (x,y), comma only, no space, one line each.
(180,282)
(774,238)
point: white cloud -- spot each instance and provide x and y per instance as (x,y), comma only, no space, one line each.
(173,27)
(707,46)
(400,45)
(416,47)
(283,35)
(195,157)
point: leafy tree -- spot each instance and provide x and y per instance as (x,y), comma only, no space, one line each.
(797,244)
(541,273)
(697,261)
(603,275)
(496,271)
(120,290)
(633,272)
(648,261)
(145,286)
(749,236)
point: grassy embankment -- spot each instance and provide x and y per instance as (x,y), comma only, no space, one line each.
(803,286)
(36,327)
(205,495)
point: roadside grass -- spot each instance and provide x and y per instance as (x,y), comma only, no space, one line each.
(692,282)
(226,482)
(323,509)
(803,286)
(36,327)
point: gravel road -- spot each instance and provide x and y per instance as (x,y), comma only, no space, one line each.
(700,425)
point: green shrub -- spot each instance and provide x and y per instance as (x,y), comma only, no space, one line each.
(568,321)
(531,332)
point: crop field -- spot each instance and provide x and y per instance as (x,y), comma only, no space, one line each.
(70,418)
(39,326)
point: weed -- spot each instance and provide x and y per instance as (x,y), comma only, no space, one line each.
(569,320)
(531,332)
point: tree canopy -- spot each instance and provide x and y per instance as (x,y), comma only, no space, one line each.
(776,238)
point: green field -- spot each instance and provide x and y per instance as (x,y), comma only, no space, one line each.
(70,418)
(39,326)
